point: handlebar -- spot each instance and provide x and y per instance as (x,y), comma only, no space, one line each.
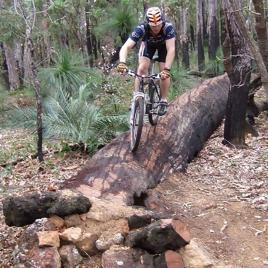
(152,76)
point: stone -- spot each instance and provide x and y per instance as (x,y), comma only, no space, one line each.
(124,257)
(73,220)
(104,243)
(173,259)
(87,244)
(118,239)
(45,257)
(56,221)
(156,238)
(48,238)
(70,256)
(138,221)
(72,234)
(194,255)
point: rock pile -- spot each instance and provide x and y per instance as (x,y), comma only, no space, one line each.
(120,235)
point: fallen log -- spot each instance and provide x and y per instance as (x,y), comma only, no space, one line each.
(116,173)
(23,210)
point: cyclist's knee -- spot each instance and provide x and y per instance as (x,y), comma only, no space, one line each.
(143,69)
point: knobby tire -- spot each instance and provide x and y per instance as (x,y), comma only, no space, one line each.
(137,123)
(154,96)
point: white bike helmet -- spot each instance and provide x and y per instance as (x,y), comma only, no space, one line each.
(154,16)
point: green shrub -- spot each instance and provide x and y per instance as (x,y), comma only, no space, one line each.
(181,81)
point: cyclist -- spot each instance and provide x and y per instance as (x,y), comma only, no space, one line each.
(158,35)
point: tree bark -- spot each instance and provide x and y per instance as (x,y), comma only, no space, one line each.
(238,67)
(12,68)
(45,25)
(199,35)
(23,210)
(115,173)
(213,33)
(36,84)
(261,30)
(253,47)
(184,38)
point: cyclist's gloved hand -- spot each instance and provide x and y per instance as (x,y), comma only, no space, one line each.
(165,74)
(122,67)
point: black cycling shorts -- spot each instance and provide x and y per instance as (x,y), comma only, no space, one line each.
(149,51)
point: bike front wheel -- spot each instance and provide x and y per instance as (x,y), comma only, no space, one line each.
(154,95)
(136,122)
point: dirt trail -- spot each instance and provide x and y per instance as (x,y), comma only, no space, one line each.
(223,197)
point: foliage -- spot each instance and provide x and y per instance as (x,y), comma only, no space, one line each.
(181,81)
(11,26)
(74,119)
(215,67)
(120,22)
(68,73)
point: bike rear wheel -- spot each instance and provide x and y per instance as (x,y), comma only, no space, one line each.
(154,95)
(137,114)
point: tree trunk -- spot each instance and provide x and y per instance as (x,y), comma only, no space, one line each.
(83,30)
(238,67)
(199,35)
(261,30)
(47,43)
(184,38)
(117,174)
(253,48)
(192,37)
(12,68)
(213,33)
(204,18)
(36,84)
(27,64)
(88,34)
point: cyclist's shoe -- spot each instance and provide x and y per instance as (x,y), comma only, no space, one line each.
(162,109)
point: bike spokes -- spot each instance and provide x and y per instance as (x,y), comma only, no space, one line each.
(136,123)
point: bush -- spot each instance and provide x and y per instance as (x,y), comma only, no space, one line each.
(181,82)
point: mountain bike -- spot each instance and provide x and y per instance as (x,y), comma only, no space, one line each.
(145,101)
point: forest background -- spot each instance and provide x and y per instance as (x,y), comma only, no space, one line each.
(58,57)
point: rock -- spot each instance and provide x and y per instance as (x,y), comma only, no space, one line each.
(103,243)
(73,220)
(45,257)
(118,239)
(173,259)
(194,255)
(157,237)
(103,210)
(70,256)
(72,234)
(56,221)
(136,221)
(87,244)
(23,210)
(28,241)
(124,257)
(49,238)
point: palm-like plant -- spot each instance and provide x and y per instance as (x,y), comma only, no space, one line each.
(120,22)
(75,120)
(68,73)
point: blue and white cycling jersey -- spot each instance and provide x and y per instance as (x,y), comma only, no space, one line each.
(143,32)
